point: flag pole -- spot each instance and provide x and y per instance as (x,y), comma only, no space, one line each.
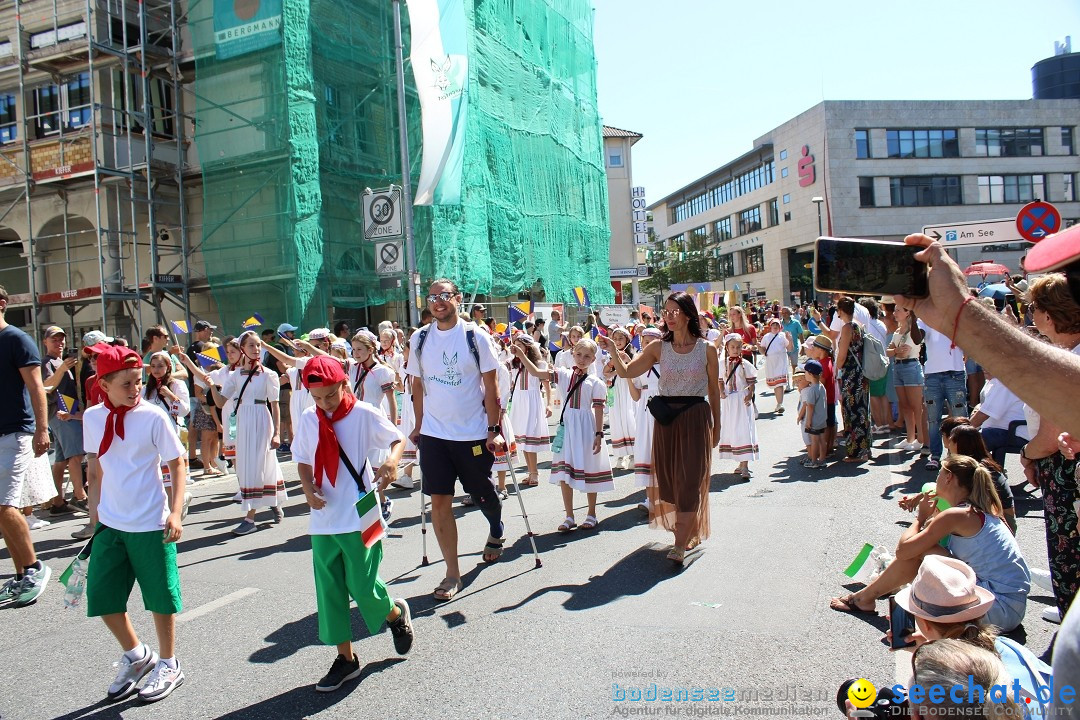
(413,279)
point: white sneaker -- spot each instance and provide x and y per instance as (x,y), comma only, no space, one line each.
(1041,578)
(1051,614)
(403,482)
(36,523)
(161,682)
(187,502)
(130,673)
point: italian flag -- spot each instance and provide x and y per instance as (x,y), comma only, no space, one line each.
(372,527)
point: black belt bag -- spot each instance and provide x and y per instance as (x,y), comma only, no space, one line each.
(665,408)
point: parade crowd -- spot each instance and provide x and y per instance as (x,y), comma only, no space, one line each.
(947,380)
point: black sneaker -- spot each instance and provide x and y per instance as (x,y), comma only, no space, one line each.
(63,509)
(195,464)
(340,672)
(402,628)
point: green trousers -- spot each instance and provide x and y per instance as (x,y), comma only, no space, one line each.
(344,568)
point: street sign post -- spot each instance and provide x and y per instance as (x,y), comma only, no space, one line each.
(1038,219)
(389,258)
(382,213)
(975,232)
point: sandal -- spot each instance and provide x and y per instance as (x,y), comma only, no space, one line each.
(531,481)
(493,549)
(847,605)
(568,525)
(447,589)
(676,555)
(590,523)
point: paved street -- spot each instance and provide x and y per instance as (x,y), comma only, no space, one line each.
(606,608)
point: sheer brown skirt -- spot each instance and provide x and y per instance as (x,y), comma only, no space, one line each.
(682,464)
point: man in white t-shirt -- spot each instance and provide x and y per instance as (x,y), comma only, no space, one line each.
(861,316)
(944,387)
(457,423)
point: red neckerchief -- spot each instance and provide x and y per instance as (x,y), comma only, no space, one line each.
(256,366)
(114,424)
(326,454)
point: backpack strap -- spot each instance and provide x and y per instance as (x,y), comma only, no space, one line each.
(470,339)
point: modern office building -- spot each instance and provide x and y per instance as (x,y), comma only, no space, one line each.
(873,169)
(626,254)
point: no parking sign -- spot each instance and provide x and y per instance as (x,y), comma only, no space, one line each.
(1037,220)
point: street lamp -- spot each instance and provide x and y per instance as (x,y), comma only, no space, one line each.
(817,200)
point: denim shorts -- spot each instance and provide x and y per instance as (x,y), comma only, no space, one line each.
(907,373)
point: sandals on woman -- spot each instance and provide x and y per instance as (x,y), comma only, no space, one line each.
(590,523)
(568,525)
(493,549)
(447,589)
(677,555)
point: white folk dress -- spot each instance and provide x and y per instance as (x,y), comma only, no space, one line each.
(576,465)
(621,419)
(407,419)
(370,386)
(649,384)
(528,411)
(502,460)
(738,431)
(257,469)
(776,360)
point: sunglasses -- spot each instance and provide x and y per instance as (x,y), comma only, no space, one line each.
(441,297)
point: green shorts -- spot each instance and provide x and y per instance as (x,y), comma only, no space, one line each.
(118,559)
(878,387)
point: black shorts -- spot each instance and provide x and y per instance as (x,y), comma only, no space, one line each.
(443,462)
(830,414)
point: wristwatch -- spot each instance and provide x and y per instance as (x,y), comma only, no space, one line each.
(494,429)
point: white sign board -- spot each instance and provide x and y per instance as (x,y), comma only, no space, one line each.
(615,314)
(643,271)
(623,272)
(382,214)
(389,258)
(639,216)
(977,232)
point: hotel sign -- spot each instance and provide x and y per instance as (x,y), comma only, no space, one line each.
(639,216)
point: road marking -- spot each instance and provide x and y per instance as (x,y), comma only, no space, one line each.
(215,604)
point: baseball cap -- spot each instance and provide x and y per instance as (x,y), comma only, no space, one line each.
(114,358)
(813,367)
(203,325)
(286,327)
(480,306)
(54,330)
(94,337)
(1055,252)
(323,370)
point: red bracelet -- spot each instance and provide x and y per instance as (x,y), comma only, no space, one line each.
(956,322)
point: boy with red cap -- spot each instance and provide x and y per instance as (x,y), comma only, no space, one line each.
(138,522)
(331,441)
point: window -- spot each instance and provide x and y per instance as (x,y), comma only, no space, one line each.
(46,110)
(1008,142)
(783,172)
(925,190)
(80,111)
(750,220)
(9,127)
(1066,140)
(73,104)
(783,154)
(862,144)
(774,213)
(723,229)
(928,143)
(866,192)
(725,265)
(787,199)
(614,160)
(754,260)
(787,217)
(727,191)
(1070,188)
(994,189)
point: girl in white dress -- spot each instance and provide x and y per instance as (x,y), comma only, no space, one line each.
(738,433)
(581,464)
(565,358)
(775,346)
(621,413)
(643,388)
(372,382)
(255,391)
(528,410)
(503,459)
(170,395)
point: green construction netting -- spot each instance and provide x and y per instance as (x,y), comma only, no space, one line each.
(296,113)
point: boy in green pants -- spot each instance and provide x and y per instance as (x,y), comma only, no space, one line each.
(138,522)
(330,444)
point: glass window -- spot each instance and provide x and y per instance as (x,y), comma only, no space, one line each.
(1067,140)
(995,189)
(726,265)
(787,199)
(615,160)
(774,213)
(47,110)
(759,177)
(783,172)
(925,190)
(866,192)
(922,143)
(723,229)
(783,154)
(80,110)
(862,144)
(754,260)
(1009,142)
(1070,188)
(9,127)
(750,220)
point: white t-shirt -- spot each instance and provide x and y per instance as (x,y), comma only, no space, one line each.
(939,356)
(1001,406)
(451,382)
(861,316)
(133,497)
(361,433)
(878,330)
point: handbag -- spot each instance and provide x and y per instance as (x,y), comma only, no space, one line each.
(665,408)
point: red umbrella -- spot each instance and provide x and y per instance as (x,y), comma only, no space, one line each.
(987,267)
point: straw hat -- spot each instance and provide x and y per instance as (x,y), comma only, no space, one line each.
(822,341)
(944,591)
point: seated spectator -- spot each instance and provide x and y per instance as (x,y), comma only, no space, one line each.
(974,532)
(999,408)
(960,438)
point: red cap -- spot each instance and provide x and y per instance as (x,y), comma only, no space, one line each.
(96,348)
(320,372)
(1055,252)
(113,358)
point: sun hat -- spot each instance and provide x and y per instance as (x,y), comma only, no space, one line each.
(319,334)
(1055,252)
(822,341)
(732,336)
(944,590)
(887,300)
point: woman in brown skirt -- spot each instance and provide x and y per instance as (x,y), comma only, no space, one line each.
(682,447)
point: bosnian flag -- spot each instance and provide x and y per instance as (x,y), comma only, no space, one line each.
(180,326)
(582,296)
(521,311)
(66,402)
(209,357)
(372,527)
(254,321)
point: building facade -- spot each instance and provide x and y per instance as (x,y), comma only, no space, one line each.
(878,170)
(626,254)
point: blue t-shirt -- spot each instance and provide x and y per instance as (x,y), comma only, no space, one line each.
(794,327)
(17,351)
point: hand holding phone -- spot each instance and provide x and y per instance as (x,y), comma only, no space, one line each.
(901,625)
(869,267)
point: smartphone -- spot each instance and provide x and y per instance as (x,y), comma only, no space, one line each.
(902,624)
(868,267)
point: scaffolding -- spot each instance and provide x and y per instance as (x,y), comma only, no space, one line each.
(99,142)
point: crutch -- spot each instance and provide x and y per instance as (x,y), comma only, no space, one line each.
(521,502)
(423,526)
